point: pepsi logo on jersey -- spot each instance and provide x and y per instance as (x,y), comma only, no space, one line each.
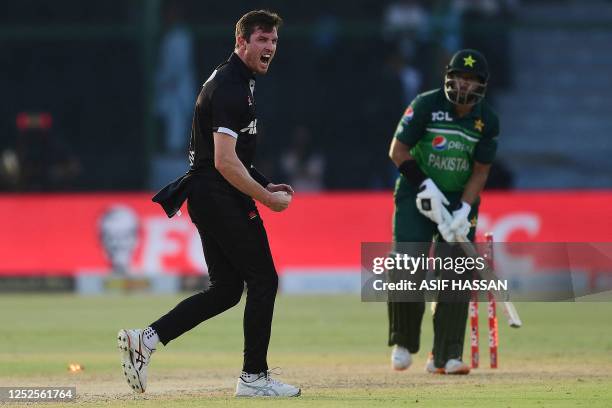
(439,143)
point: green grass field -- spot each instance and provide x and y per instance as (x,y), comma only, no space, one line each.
(332,346)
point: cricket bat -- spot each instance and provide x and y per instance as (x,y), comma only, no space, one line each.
(514,320)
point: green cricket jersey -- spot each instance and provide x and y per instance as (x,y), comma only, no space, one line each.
(444,145)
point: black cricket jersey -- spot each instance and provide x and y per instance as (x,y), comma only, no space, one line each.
(226,104)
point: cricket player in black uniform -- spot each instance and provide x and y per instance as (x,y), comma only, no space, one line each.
(220,189)
(443,146)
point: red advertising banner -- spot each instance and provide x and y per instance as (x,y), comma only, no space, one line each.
(96,233)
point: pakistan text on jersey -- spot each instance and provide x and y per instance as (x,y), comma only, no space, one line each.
(448,163)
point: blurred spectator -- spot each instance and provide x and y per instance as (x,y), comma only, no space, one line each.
(396,85)
(301,164)
(41,161)
(9,170)
(406,21)
(174,81)
(446,21)
(486,28)
(411,80)
(325,34)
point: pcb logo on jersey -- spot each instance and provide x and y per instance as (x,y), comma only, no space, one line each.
(408,115)
(439,143)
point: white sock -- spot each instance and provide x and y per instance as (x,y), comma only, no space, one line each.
(246,377)
(150,338)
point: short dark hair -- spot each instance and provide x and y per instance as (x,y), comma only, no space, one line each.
(251,21)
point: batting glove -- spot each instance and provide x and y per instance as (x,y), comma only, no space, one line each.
(460,223)
(430,200)
(447,233)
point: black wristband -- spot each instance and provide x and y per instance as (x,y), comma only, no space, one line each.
(412,172)
(258,177)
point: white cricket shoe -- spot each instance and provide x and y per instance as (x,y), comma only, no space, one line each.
(430,366)
(265,386)
(135,357)
(400,358)
(456,366)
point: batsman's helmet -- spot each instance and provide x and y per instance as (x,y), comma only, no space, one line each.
(467,61)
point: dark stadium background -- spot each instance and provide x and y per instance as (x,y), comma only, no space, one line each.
(91,66)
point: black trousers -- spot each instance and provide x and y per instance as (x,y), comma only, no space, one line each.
(237,252)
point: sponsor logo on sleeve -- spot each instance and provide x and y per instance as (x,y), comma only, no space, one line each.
(408,115)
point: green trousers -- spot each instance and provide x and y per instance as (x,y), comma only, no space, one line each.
(405,318)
